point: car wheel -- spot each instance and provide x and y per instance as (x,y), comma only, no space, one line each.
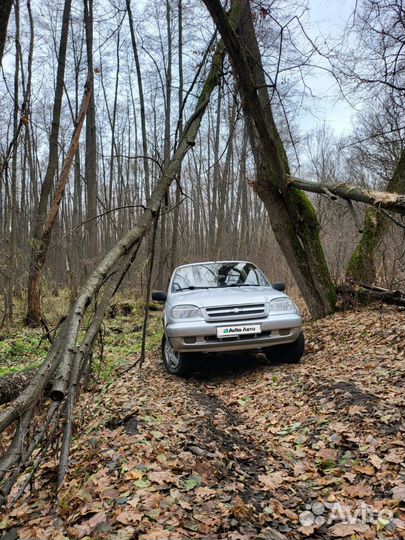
(176,363)
(290,353)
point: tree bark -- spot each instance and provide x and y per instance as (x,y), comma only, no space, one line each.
(292,216)
(16,129)
(5,10)
(176,211)
(64,175)
(361,266)
(216,171)
(166,148)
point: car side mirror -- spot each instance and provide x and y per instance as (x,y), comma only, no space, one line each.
(278,286)
(159,296)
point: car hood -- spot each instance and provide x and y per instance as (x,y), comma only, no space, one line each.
(224,296)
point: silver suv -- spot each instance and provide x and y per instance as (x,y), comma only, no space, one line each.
(226,306)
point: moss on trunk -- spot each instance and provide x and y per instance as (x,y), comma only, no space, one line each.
(361,266)
(309,233)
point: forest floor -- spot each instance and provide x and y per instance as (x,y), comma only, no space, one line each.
(242,450)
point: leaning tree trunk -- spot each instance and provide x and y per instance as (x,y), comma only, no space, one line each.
(361,266)
(66,361)
(292,216)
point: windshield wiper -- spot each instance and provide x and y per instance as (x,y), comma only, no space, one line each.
(192,288)
(239,285)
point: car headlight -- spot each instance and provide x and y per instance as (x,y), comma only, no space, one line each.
(282,305)
(186,312)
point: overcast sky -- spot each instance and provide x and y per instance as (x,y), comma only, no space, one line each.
(328,18)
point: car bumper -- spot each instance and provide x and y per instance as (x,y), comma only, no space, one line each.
(201,336)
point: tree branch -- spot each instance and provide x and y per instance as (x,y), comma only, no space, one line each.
(393,202)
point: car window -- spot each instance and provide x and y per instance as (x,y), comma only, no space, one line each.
(215,275)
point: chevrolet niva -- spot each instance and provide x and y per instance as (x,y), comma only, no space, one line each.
(226,306)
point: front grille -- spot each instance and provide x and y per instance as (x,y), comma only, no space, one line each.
(233,313)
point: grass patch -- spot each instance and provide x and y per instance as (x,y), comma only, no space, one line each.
(122,340)
(24,348)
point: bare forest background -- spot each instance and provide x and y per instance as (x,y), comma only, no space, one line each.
(146,63)
(138,136)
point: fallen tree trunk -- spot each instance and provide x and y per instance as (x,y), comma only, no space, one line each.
(394,202)
(352,293)
(67,358)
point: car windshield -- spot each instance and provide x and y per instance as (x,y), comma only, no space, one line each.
(214,275)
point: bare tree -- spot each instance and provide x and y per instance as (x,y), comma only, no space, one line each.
(33,316)
(91,142)
(141,100)
(372,60)
(176,211)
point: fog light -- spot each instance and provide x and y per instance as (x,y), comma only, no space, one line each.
(189,340)
(284,332)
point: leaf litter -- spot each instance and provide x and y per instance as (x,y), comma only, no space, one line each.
(242,450)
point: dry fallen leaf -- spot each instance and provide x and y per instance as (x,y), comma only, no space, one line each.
(273,480)
(306,530)
(360,491)
(364,469)
(398,492)
(240,510)
(134,474)
(376,461)
(163,477)
(128,517)
(395,456)
(341,530)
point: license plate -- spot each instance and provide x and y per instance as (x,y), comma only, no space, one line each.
(237,330)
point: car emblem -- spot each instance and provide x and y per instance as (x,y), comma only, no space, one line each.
(236,310)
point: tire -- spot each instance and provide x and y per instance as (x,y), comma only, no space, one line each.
(290,353)
(177,363)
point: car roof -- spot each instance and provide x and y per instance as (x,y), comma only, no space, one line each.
(215,262)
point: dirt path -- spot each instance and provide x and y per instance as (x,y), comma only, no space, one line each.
(242,450)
